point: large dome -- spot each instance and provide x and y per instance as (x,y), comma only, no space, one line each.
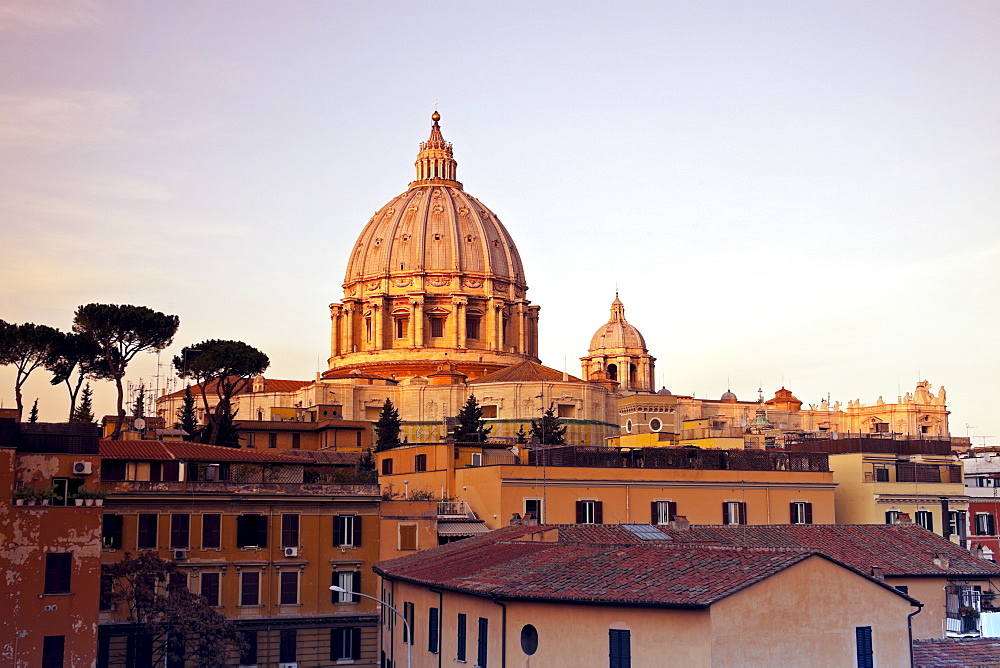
(433,269)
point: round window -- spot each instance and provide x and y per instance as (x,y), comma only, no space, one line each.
(628,426)
(655,424)
(529,639)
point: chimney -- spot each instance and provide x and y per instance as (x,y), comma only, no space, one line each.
(679,523)
(941,561)
(878,573)
(515,519)
(904,518)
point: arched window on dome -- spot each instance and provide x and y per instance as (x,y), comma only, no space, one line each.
(613,372)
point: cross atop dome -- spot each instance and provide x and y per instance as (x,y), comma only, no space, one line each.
(436,165)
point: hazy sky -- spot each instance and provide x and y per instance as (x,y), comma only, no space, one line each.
(785,193)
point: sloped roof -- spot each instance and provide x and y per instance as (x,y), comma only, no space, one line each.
(899,549)
(176,450)
(326,457)
(591,564)
(522,372)
(942,652)
(271,385)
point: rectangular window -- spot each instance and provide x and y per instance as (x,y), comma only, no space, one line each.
(985,524)
(111,533)
(402,327)
(148,524)
(420,463)
(251,531)
(178,580)
(113,470)
(211,531)
(589,511)
(437,328)
(408,626)
(801,512)
(432,630)
(620,648)
(482,645)
(925,519)
(881,474)
(663,511)
(272,440)
(107,589)
(407,536)
(248,655)
(490,411)
(53,648)
(288,582)
(866,658)
(250,588)
(289,530)
(891,516)
(460,629)
(472,327)
(346,531)
(533,510)
(58,572)
(387,466)
(956,525)
(210,588)
(286,646)
(180,531)
(734,512)
(350,582)
(345,644)
(296,441)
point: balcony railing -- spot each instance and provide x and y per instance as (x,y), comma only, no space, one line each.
(455,509)
(680,458)
(132,487)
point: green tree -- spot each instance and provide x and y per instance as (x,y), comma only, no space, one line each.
(33,415)
(186,416)
(387,428)
(139,406)
(549,430)
(366,467)
(122,332)
(26,346)
(522,437)
(84,412)
(470,427)
(223,430)
(224,367)
(72,359)
(182,625)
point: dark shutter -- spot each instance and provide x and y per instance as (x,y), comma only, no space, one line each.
(211,531)
(338,530)
(620,648)
(743,512)
(147,531)
(289,530)
(432,630)
(864,640)
(337,637)
(112,531)
(356,643)
(241,531)
(793,514)
(654,512)
(261,531)
(809,513)
(579,512)
(460,651)
(671,510)
(356,586)
(357,531)
(179,530)
(248,655)
(58,572)
(598,512)
(286,646)
(481,655)
(726,519)
(53,648)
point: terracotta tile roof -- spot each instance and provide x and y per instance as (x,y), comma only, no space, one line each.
(591,564)
(522,372)
(326,457)
(169,450)
(271,385)
(899,549)
(966,652)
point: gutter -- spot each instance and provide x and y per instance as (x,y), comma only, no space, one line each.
(503,634)
(909,628)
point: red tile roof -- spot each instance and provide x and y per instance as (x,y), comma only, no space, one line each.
(271,385)
(522,372)
(170,450)
(966,652)
(899,549)
(591,564)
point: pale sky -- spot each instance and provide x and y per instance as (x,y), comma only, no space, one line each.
(789,193)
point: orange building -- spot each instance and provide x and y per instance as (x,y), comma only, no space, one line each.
(252,537)
(628,595)
(50,547)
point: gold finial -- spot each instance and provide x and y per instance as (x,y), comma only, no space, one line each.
(435,117)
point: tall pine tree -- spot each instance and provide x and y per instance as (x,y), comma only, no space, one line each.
(549,430)
(33,415)
(470,427)
(387,428)
(186,416)
(84,411)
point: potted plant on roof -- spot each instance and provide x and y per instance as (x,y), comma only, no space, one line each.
(21,495)
(80,496)
(46,494)
(99,495)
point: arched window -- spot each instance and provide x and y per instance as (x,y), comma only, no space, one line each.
(632,373)
(613,371)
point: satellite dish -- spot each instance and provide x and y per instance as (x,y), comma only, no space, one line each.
(514,450)
(139,424)
(743,422)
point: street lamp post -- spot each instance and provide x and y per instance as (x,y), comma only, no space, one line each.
(406,625)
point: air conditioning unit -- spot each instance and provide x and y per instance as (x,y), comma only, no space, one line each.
(83,468)
(180,555)
(291,551)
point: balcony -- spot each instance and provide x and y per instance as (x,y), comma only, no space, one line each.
(913,472)
(455,510)
(137,487)
(680,458)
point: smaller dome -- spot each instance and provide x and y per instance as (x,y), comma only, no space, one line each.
(664,391)
(728,397)
(617,333)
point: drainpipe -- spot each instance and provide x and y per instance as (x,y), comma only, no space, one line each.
(909,629)
(440,622)
(503,635)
